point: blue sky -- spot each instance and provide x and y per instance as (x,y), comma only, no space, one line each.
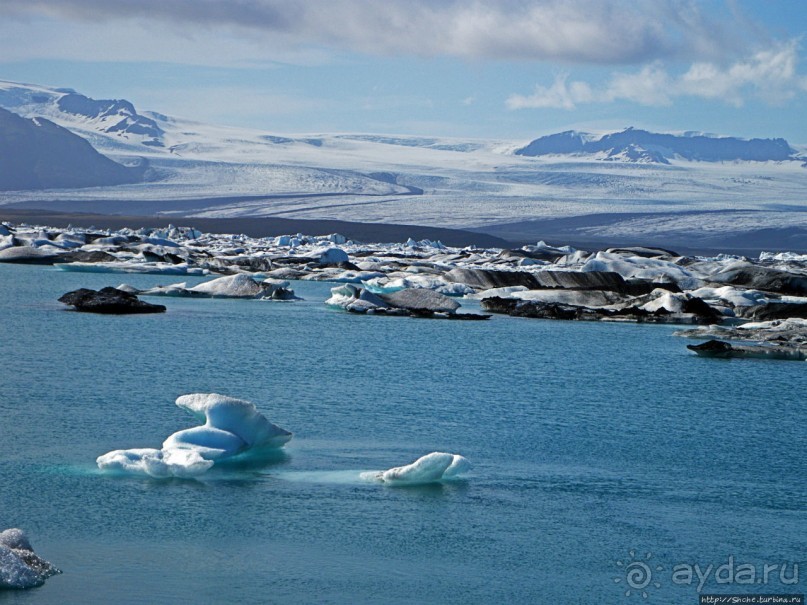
(509,69)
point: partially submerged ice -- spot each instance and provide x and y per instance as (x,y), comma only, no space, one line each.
(232,427)
(431,468)
(20,566)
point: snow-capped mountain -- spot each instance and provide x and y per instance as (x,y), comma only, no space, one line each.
(719,184)
(112,116)
(65,106)
(633,145)
(35,153)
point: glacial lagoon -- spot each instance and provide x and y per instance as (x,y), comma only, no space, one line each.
(594,446)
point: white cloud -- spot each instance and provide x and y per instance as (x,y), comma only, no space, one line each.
(770,75)
(574,31)
(649,86)
(561,95)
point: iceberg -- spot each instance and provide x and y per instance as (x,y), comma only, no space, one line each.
(20,566)
(328,256)
(232,427)
(431,468)
(239,285)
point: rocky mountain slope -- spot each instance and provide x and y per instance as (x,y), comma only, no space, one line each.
(38,154)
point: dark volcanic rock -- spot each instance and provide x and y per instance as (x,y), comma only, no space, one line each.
(108,301)
(712,348)
(720,349)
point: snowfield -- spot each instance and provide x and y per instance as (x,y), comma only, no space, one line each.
(203,170)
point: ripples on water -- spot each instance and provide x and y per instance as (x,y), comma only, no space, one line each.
(587,439)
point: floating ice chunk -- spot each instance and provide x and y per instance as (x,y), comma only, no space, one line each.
(239,285)
(232,427)
(329,256)
(20,566)
(503,292)
(222,414)
(154,463)
(672,302)
(385,285)
(639,267)
(354,298)
(736,297)
(430,468)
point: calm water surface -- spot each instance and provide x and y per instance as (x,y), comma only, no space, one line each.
(588,440)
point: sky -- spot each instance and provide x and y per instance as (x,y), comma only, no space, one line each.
(498,69)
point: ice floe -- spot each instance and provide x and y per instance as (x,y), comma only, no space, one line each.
(431,468)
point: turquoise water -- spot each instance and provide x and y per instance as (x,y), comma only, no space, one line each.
(588,440)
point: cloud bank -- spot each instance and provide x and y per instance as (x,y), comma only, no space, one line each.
(571,31)
(770,75)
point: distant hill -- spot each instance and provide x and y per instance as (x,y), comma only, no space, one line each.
(37,154)
(641,146)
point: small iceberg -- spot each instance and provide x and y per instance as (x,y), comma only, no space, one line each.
(239,285)
(431,468)
(232,427)
(20,566)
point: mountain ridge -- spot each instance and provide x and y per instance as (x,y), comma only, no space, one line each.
(642,146)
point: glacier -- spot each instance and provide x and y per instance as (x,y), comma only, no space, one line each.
(216,171)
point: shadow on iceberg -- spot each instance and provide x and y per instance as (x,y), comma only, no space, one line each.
(234,433)
(431,468)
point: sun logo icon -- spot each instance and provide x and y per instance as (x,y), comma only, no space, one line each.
(638,575)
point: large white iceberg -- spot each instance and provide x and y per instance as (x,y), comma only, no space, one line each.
(431,468)
(232,427)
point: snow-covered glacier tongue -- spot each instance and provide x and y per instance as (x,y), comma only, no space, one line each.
(232,427)
(431,468)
